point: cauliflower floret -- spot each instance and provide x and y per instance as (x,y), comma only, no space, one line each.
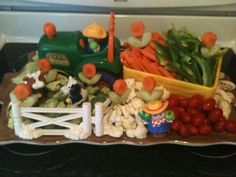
(131,96)
(140,132)
(226,107)
(137,103)
(138,86)
(130,82)
(130,133)
(129,123)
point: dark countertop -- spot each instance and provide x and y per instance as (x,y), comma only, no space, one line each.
(81,160)
(75,160)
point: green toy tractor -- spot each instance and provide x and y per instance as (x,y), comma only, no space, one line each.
(67,51)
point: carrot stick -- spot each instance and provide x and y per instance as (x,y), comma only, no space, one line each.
(126,64)
(149,53)
(132,62)
(145,63)
(152,45)
(136,52)
(164,72)
(153,68)
(158,38)
(139,62)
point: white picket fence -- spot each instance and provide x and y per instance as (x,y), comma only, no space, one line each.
(69,130)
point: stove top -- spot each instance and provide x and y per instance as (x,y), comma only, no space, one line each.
(75,160)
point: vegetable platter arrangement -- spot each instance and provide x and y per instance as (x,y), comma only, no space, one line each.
(171,87)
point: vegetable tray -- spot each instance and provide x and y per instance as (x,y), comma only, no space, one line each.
(7,136)
(178,87)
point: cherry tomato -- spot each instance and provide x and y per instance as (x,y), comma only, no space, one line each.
(205,129)
(220,125)
(198,119)
(192,111)
(176,111)
(173,101)
(183,102)
(215,114)
(181,110)
(193,129)
(175,125)
(231,126)
(184,131)
(195,101)
(206,121)
(185,117)
(208,104)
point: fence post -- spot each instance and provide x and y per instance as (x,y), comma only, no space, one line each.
(98,119)
(87,119)
(17,117)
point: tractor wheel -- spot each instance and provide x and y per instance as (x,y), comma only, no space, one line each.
(106,80)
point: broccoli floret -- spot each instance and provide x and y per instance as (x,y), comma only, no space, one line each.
(61,105)
(56,85)
(59,96)
(105,90)
(92,90)
(50,103)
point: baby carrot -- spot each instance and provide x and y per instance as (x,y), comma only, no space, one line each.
(158,38)
(149,53)
(153,68)
(164,72)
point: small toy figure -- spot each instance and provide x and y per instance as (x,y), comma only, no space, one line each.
(74,93)
(95,34)
(157,119)
(77,95)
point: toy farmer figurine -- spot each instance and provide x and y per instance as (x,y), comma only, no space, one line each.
(95,34)
(157,119)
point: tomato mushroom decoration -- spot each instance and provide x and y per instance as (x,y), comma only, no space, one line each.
(89,74)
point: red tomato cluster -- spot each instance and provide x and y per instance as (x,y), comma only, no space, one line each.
(198,116)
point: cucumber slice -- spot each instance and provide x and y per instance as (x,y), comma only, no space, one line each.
(146,96)
(91,81)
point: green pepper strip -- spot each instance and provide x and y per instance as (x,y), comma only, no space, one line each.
(204,69)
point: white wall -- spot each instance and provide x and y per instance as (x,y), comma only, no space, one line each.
(27,26)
